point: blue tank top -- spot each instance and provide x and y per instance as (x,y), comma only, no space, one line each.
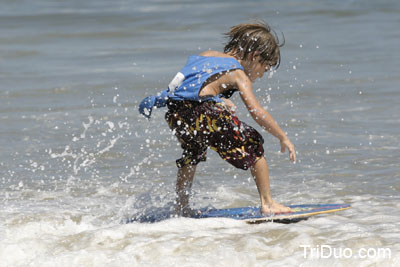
(187,83)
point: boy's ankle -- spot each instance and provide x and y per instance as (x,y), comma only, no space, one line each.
(267,201)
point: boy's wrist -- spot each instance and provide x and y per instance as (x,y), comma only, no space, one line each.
(283,139)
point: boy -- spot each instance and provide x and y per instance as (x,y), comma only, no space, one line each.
(201,115)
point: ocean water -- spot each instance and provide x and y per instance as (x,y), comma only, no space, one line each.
(77,160)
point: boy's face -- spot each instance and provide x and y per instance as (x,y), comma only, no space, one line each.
(256,69)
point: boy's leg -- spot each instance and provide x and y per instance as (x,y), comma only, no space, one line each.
(261,176)
(183,185)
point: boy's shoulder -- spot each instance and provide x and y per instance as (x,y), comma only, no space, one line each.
(236,73)
(213,53)
(211,62)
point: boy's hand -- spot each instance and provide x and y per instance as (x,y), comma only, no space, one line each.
(285,143)
(230,105)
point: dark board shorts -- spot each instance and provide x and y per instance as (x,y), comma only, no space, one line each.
(199,125)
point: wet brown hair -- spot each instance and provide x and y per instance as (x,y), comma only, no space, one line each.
(246,38)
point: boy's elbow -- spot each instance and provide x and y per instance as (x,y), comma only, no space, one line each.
(252,112)
(255,115)
(255,112)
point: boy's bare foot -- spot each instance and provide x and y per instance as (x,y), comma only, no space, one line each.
(274,208)
(186,212)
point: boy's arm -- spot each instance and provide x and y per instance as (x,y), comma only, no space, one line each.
(261,116)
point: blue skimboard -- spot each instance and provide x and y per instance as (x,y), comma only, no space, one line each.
(253,215)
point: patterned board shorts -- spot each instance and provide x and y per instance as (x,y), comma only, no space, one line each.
(209,124)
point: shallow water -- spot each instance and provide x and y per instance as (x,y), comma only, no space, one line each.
(77,160)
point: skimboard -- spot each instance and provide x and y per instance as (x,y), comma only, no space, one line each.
(253,214)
